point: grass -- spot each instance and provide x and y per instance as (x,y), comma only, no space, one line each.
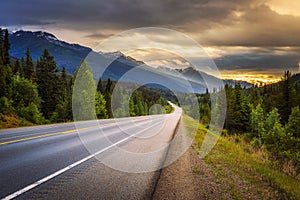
(241,159)
(13,121)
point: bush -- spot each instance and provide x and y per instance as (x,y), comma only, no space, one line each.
(256,143)
(5,105)
(32,113)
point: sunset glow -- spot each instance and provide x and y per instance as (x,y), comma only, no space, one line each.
(256,79)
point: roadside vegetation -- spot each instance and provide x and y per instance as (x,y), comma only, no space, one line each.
(261,136)
(234,159)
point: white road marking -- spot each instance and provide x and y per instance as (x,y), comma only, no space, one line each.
(47,178)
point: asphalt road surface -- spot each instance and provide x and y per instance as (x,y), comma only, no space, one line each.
(33,158)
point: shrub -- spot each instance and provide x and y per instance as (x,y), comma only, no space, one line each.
(32,113)
(5,105)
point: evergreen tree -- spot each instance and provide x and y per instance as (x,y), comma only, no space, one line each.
(48,83)
(83,103)
(293,128)
(272,118)
(7,82)
(3,75)
(131,108)
(61,113)
(6,45)
(29,66)
(22,73)
(100,106)
(109,86)
(64,84)
(107,96)
(288,96)
(1,47)
(100,87)
(257,119)
(18,68)
(240,115)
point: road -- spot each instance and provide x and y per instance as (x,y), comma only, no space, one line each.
(30,157)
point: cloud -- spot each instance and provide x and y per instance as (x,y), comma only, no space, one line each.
(99,35)
(259,26)
(211,22)
(273,60)
(244,35)
(218,22)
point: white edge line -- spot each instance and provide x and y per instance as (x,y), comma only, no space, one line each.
(51,176)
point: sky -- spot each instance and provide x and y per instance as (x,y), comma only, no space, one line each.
(254,40)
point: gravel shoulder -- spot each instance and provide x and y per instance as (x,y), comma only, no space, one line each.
(190,177)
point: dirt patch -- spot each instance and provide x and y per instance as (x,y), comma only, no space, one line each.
(188,178)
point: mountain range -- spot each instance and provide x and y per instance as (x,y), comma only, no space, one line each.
(70,56)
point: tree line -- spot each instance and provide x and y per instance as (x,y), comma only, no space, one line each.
(41,93)
(268,117)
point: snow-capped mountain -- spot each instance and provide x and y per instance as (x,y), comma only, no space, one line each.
(68,55)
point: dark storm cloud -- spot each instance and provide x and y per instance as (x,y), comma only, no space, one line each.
(261,60)
(210,22)
(115,13)
(258,26)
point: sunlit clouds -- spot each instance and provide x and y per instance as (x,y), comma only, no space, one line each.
(257,36)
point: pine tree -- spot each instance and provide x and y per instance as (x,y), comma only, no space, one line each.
(1,47)
(61,113)
(286,102)
(64,83)
(29,66)
(257,119)
(107,96)
(22,73)
(109,86)
(9,82)
(3,75)
(100,106)
(17,67)
(3,72)
(83,103)
(100,87)
(5,69)
(293,127)
(48,83)
(6,44)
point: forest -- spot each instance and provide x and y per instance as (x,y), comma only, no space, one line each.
(267,117)
(37,92)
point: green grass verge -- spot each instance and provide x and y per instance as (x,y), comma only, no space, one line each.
(232,152)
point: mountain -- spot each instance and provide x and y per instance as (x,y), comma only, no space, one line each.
(120,66)
(195,75)
(65,54)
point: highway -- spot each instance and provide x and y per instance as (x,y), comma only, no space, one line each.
(31,156)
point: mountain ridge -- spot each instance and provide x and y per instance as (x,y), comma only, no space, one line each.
(70,56)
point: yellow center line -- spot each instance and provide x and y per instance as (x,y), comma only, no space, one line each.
(49,134)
